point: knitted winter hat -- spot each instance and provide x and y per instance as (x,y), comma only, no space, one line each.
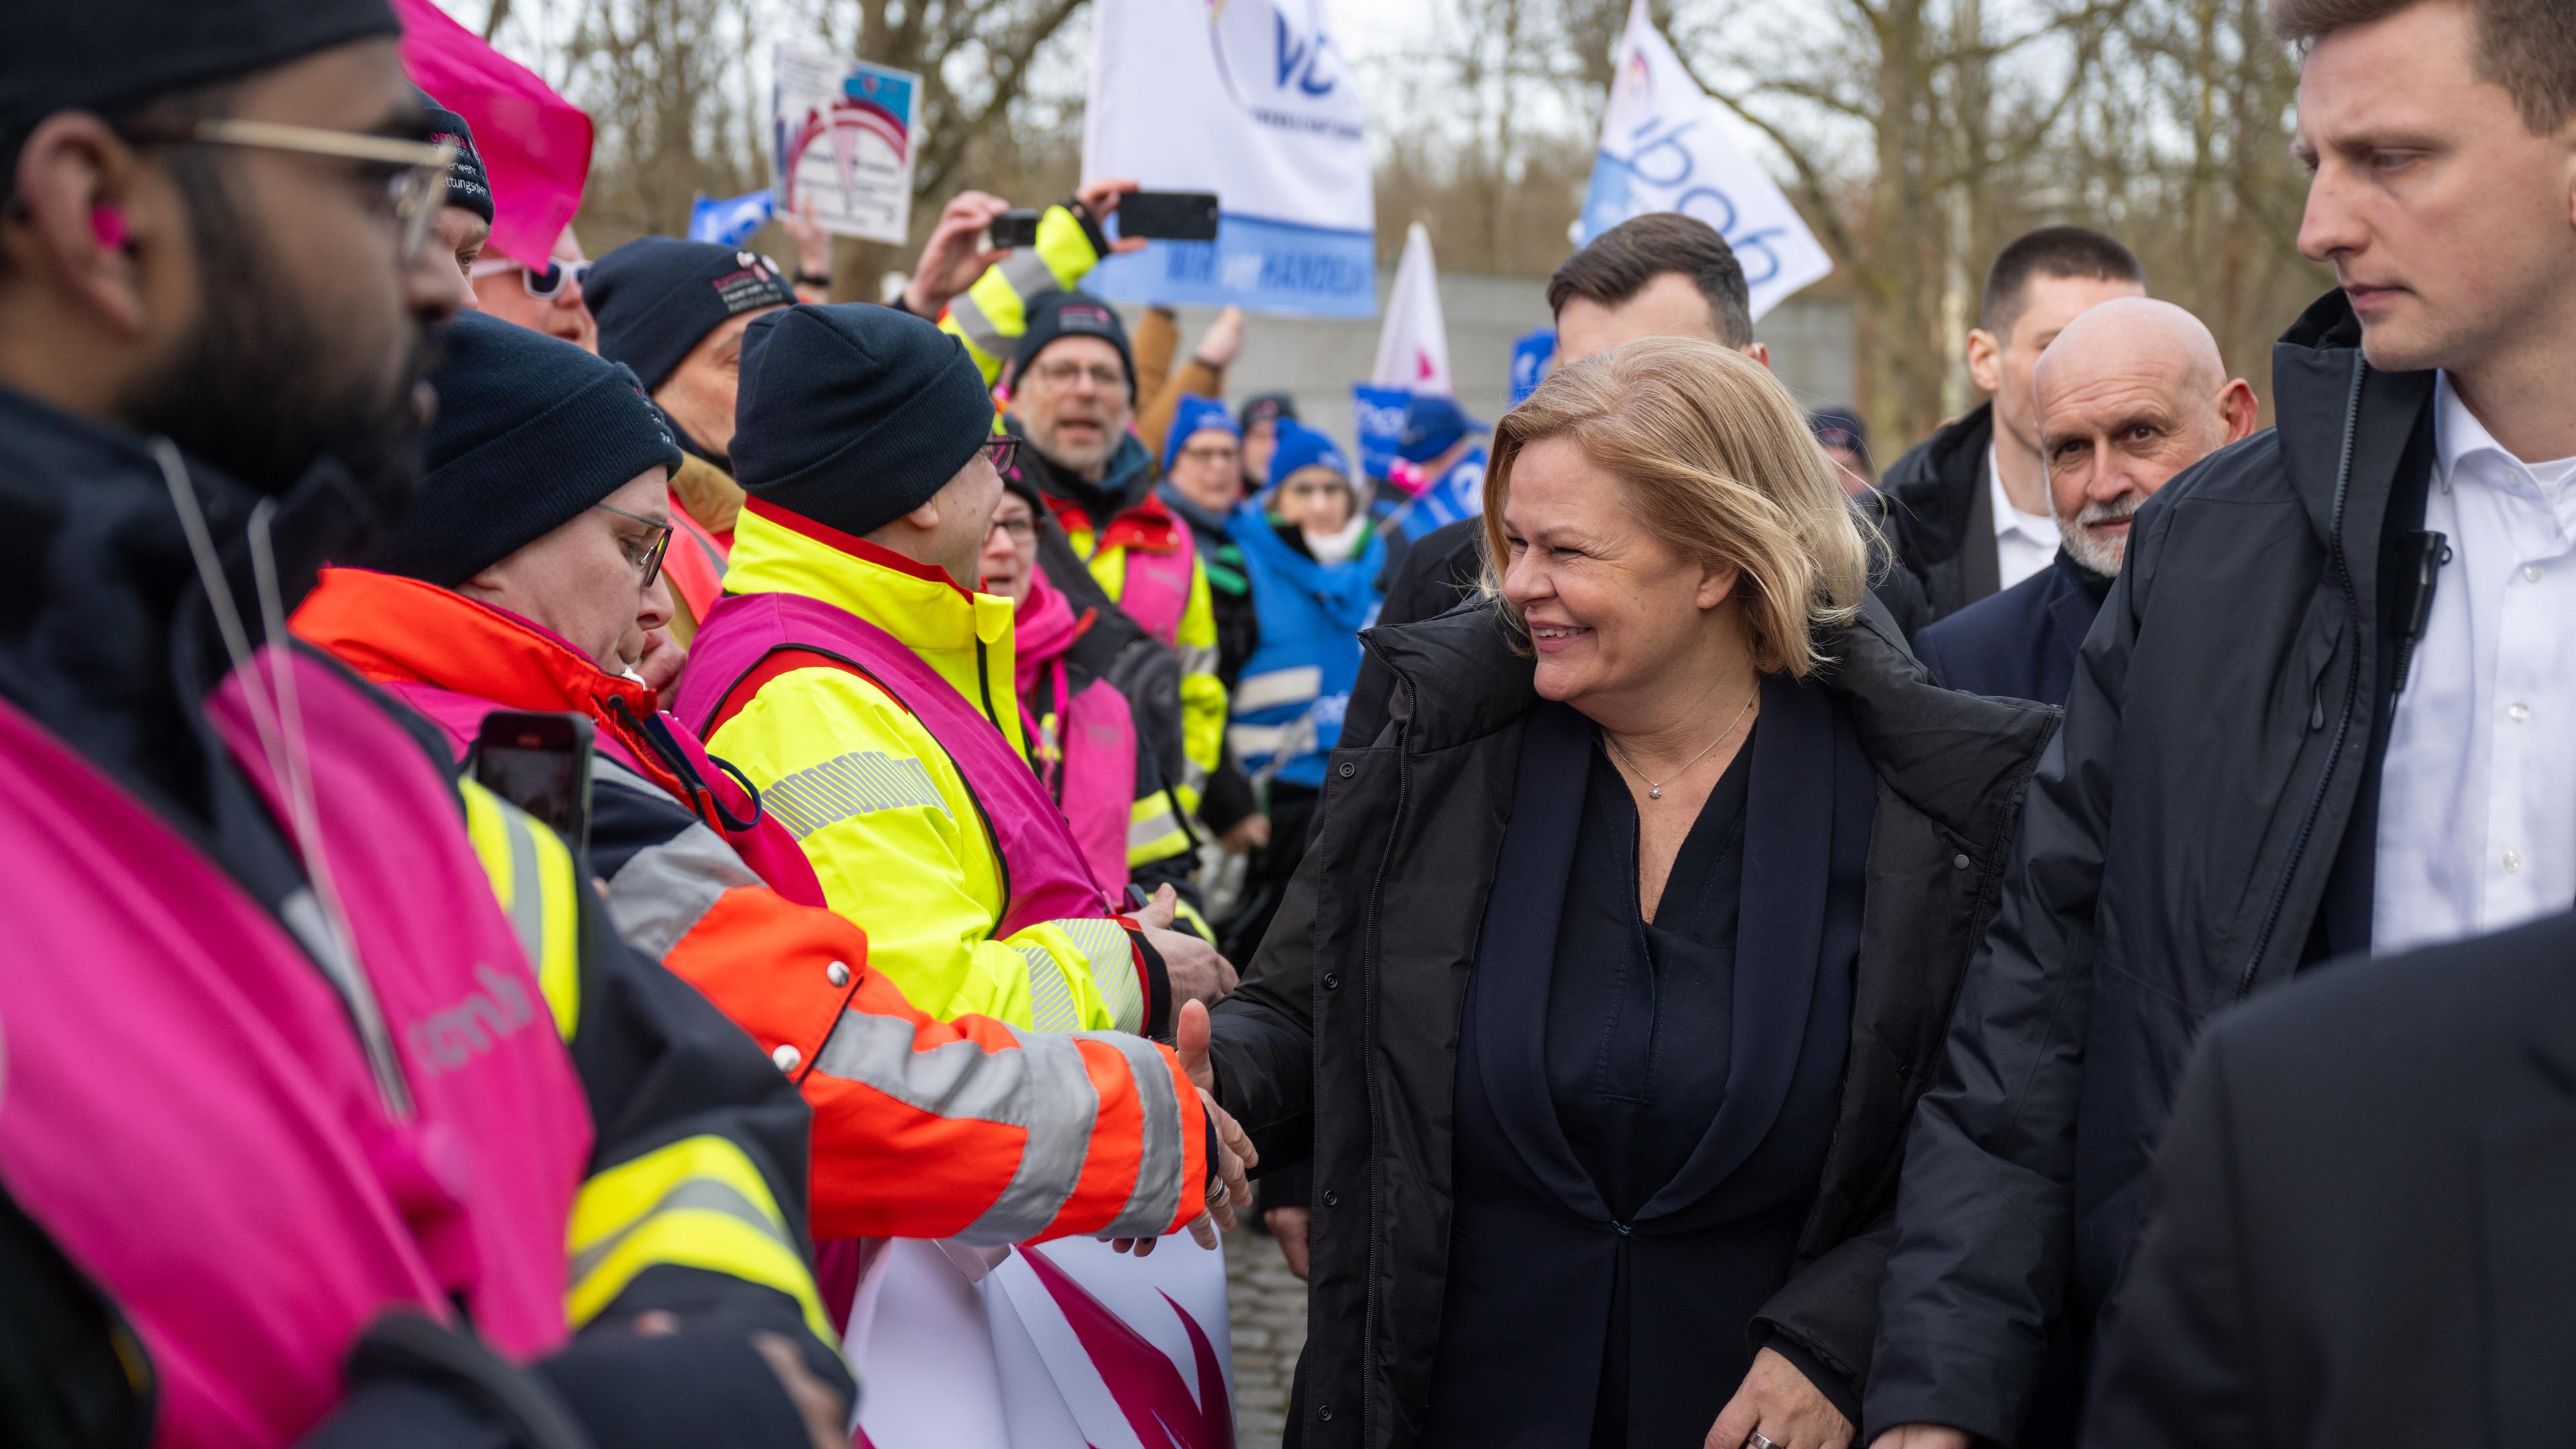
(1302,447)
(1193,416)
(658,296)
(1059,315)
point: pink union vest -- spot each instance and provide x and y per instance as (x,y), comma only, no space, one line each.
(189,1113)
(1048,879)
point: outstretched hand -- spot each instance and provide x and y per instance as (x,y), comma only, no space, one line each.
(1236,1156)
(1196,970)
(1100,198)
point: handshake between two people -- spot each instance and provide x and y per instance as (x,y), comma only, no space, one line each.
(1200,977)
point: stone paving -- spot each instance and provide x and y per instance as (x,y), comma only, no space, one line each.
(1267,1308)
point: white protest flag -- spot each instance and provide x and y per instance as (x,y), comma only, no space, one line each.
(1664,148)
(1251,100)
(1413,343)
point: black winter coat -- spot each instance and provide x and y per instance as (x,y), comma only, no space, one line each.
(2204,827)
(1940,514)
(2361,1234)
(1344,1036)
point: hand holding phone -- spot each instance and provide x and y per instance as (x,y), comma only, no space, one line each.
(540,763)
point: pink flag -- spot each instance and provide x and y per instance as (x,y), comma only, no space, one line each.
(535,144)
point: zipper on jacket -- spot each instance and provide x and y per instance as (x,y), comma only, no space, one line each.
(2351,686)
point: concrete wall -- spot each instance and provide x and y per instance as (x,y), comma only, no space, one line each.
(1317,360)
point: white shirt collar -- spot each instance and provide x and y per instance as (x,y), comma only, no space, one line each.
(2460,440)
(2009,518)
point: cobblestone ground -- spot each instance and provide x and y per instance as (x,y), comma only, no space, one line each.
(1267,1307)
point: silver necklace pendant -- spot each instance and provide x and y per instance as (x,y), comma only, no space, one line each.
(1654,792)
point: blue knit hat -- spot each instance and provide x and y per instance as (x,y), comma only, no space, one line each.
(531,430)
(854,415)
(1302,447)
(658,296)
(1432,426)
(1193,416)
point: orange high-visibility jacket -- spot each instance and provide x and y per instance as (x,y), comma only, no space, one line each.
(922,1128)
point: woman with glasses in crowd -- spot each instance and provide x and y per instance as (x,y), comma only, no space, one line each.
(1622,954)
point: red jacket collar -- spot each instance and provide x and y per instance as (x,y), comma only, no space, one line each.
(395,630)
(1149,525)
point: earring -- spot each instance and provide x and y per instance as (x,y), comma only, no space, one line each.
(107,223)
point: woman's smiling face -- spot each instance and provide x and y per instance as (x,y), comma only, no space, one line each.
(1608,603)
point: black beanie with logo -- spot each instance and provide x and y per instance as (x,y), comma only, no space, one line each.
(1059,315)
(657,297)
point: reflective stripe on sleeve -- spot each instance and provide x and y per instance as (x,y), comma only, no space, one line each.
(1042,1089)
(1050,999)
(698,1203)
(1157,1199)
(1273,688)
(663,891)
(1113,968)
(534,880)
(1153,831)
(1202,659)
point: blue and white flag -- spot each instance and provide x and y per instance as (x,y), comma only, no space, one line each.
(730,221)
(1377,414)
(1665,148)
(1530,358)
(1252,100)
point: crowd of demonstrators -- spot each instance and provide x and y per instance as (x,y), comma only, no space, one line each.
(1967,509)
(2130,394)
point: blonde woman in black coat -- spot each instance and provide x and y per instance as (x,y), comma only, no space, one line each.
(1623,953)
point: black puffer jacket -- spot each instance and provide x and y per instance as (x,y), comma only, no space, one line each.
(1344,1037)
(2204,827)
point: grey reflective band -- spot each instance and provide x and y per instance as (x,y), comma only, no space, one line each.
(859,783)
(1050,999)
(1273,688)
(1157,1199)
(1113,968)
(663,891)
(527,891)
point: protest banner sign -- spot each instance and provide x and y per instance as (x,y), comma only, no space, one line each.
(1065,1345)
(729,221)
(1252,101)
(1664,148)
(1377,415)
(1413,343)
(842,135)
(535,144)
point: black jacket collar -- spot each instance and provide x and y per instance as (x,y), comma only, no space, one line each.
(2329,400)
(1460,679)
(1930,492)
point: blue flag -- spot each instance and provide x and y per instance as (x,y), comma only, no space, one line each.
(1379,415)
(1530,358)
(731,221)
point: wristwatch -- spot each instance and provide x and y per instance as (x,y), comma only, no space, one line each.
(805,278)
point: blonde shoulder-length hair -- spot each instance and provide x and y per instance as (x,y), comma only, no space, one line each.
(1719,463)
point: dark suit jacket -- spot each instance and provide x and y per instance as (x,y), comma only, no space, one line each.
(2367,1231)
(2021,643)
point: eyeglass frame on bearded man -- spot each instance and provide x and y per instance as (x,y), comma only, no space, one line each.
(415,188)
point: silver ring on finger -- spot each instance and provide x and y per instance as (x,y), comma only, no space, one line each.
(1761,1440)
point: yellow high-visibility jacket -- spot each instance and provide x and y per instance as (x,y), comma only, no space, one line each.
(916,870)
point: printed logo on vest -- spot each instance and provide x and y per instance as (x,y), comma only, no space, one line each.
(447,1040)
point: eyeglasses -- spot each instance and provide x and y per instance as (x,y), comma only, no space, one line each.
(1003,453)
(1021,530)
(414,172)
(545,286)
(1213,453)
(1067,373)
(649,563)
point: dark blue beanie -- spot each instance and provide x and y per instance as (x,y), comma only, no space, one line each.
(1302,447)
(468,185)
(1432,426)
(658,296)
(854,415)
(107,55)
(1193,415)
(530,432)
(1059,315)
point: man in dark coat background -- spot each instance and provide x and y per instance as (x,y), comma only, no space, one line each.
(2130,394)
(2303,727)
(1968,508)
(2361,1234)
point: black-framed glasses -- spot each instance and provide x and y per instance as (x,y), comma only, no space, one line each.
(415,172)
(1003,453)
(651,563)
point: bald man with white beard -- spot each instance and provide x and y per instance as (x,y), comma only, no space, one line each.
(2129,395)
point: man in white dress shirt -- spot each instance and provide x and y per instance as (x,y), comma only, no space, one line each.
(2329,707)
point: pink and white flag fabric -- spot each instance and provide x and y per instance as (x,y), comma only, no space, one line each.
(1065,1345)
(1413,342)
(535,144)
